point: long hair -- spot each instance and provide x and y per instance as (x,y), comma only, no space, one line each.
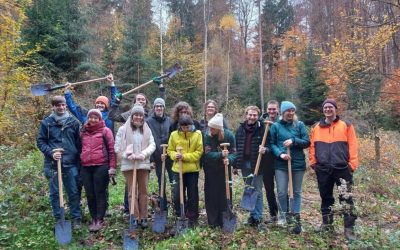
(221,133)
(178,107)
(146,106)
(205,108)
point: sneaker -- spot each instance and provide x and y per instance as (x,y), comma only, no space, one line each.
(143,223)
(76,224)
(273,220)
(251,221)
(281,221)
(92,226)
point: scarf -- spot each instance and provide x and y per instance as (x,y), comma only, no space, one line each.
(90,129)
(127,136)
(60,119)
(249,129)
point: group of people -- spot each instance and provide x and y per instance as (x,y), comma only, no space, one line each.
(91,153)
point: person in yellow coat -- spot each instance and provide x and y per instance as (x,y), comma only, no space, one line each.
(191,141)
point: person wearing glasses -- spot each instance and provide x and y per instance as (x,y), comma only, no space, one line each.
(182,108)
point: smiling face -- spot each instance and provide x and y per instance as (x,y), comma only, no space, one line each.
(211,109)
(329,111)
(100,106)
(93,119)
(159,110)
(60,108)
(141,99)
(252,116)
(272,111)
(288,115)
(137,119)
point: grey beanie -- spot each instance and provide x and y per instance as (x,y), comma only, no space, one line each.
(137,108)
(159,101)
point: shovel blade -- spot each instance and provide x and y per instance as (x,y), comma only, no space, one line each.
(249,198)
(40,89)
(131,240)
(228,221)
(181,225)
(160,220)
(63,232)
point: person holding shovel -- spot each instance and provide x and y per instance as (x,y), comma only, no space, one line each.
(134,145)
(102,103)
(291,133)
(191,141)
(334,158)
(61,130)
(214,159)
(98,162)
(248,143)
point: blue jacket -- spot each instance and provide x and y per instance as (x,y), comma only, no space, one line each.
(81,113)
(54,135)
(282,131)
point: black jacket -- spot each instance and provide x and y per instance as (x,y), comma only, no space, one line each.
(160,128)
(55,135)
(255,143)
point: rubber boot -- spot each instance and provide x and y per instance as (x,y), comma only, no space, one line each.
(349,222)
(327,221)
(297,224)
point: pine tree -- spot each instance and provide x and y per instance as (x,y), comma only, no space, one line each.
(55,26)
(313,90)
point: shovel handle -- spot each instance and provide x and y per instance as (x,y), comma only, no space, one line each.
(133,189)
(87,81)
(164,148)
(179,149)
(290,175)
(59,175)
(228,193)
(142,85)
(264,139)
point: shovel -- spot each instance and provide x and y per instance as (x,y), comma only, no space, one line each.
(182,222)
(250,193)
(290,180)
(63,228)
(160,217)
(131,239)
(171,72)
(228,217)
(45,88)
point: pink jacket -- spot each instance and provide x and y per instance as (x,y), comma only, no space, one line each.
(97,146)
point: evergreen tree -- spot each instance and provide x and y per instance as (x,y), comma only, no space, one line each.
(313,90)
(56,27)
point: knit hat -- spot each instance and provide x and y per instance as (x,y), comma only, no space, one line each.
(159,101)
(137,109)
(285,105)
(57,100)
(185,120)
(217,121)
(94,112)
(104,100)
(331,101)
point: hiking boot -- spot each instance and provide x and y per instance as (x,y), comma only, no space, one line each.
(192,223)
(92,225)
(76,224)
(143,223)
(281,220)
(253,222)
(273,220)
(349,234)
(297,227)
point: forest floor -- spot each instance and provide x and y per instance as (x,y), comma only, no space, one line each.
(27,222)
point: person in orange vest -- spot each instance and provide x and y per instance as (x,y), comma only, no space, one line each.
(333,156)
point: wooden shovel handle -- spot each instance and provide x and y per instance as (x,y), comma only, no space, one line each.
(227,190)
(133,189)
(290,175)
(87,81)
(179,149)
(59,175)
(143,85)
(264,139)
(164,148)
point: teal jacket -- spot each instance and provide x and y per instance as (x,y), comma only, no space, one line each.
(213,150)
(282,131)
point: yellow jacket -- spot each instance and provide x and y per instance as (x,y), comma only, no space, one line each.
(192,144)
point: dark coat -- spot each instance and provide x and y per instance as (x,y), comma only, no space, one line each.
(255,143)
(55,135)
(160,128)
(282,131)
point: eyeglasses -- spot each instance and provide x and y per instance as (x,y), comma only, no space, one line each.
(159,106)
(185,125)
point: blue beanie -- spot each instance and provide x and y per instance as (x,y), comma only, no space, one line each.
(285,105)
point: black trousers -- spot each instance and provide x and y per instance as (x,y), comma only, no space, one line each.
(215,194)
(95,181)
(168,170)
(191,191)
(269,185)
(327,177)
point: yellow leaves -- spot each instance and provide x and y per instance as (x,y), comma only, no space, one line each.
(228,23)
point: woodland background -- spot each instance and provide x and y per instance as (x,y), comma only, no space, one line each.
(238,52)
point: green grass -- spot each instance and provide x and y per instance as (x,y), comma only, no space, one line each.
(27,222)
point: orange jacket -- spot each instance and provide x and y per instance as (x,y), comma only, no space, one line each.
(333,145)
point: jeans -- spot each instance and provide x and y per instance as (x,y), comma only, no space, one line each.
(257,213)
(95,181)
(168,169)
(269,185)
(69,179)
(282,180)
(190,184)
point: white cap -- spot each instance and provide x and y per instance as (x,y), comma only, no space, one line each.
(217,121)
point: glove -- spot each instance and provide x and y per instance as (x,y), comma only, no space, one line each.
(118,98)
(157,80)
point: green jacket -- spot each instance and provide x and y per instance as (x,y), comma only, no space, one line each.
(282,131)
(213,150)
(192,143)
